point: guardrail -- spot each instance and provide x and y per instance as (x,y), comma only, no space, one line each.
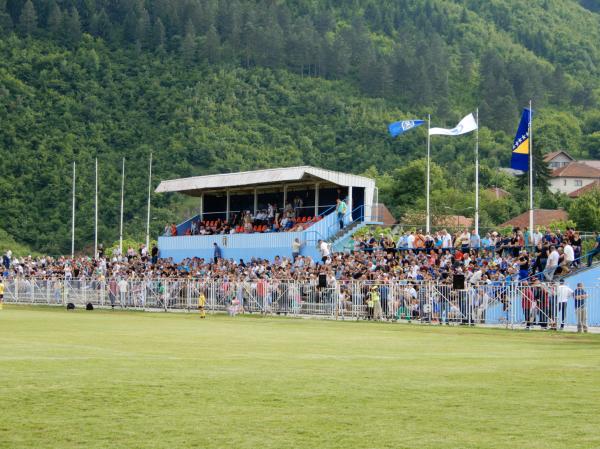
(510,305)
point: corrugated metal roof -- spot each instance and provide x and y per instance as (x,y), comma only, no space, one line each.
(197,184)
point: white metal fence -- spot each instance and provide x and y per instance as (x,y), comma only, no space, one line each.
(511,305)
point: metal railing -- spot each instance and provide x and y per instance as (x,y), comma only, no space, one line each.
(511,305)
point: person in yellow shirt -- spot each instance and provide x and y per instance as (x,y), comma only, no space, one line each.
(1,293)
(201,304)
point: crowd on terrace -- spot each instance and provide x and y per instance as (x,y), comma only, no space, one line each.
(271,219)
(413,256)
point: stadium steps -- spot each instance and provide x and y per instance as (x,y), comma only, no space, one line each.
(588,275)
(339,242)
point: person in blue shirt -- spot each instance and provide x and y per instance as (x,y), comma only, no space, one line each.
(474,241)
(594,251)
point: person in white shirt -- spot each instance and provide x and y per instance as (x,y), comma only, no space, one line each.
(551,264)
(569,255)
(410,240)
(446,240)
(325,251)
(563,293)
(537,237)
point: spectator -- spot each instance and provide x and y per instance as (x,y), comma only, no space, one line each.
(551,264)
(581,308)
(595,250)
(296,245)
(217,254)
(563,292)
(154,254)
(341,211)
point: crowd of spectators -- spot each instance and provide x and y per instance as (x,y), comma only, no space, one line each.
(412,256)
(271,219)
(394,274)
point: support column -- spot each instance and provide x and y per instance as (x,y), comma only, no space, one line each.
(316,199)
(284,195)
(255,201)
(202,207)
(227,207)
(350,204)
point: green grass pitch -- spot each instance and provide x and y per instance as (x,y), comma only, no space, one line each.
(107,379)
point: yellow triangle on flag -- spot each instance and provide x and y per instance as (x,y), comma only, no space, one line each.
(523,148)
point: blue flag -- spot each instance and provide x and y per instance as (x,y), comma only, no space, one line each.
(520,149)
(398,128)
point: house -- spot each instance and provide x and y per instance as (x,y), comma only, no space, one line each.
(541,217)
(453,221)
(572,177)
(382,214)
(558,159)
(497,193)
(588,188)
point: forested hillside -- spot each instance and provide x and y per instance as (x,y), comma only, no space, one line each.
(221,85)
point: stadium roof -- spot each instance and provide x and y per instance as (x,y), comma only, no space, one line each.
(198,184)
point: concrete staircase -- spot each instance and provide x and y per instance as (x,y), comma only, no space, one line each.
(588,275)
(341,239)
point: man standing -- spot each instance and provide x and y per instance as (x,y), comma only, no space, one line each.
(475,241)
(341,211)
(580,308)
(154,254)
(324,249)
(1,293)
(594,251)
(296,245)
(562,294)
(217,252)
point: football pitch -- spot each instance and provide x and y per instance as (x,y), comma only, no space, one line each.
(105,379)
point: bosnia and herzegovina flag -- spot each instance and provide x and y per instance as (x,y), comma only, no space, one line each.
(520,149)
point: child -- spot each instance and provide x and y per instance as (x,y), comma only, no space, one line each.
(201,304)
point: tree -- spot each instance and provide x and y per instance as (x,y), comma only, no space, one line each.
(188,45)
(585,211)
(55,20)
(212,46)
(28,19)
(158,34)
(72,28)
(541,172)
(6,23)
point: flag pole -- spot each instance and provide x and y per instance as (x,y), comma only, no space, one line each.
(73,217)
(96,215)
(530,140)
(428,222)
(149,194)
(122,197)
(477,172)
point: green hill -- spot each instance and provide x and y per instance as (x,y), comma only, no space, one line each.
(211,86)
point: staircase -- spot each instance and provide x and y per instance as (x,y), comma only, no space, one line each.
(340,240)
(588,275)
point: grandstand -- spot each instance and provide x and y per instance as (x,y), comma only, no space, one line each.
(307,194)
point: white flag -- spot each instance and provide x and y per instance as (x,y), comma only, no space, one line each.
(465,126)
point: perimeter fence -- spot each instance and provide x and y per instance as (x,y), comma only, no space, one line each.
(511,305)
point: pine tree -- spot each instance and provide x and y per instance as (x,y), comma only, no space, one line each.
(212,46)
(158,34)
(72,28)
(55,19)
(6,24)
(188,45)
(28,19)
